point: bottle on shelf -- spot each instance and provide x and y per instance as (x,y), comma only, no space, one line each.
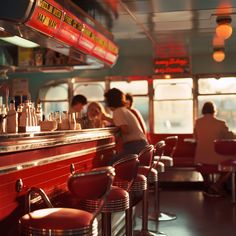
(12,118)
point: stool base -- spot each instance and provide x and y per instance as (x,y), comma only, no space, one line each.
(147,233)
(165,216)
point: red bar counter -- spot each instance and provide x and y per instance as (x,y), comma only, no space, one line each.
(45,160)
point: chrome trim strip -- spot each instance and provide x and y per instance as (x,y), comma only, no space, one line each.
(52,159)
(28,141)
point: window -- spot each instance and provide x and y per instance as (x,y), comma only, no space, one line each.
(93,91)
(173,106)
(222,93)
(54,98)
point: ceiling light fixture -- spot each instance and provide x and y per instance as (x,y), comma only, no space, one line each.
(218,54)
(224,28)
(18,41)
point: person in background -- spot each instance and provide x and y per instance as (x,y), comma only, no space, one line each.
(132,136)
(207,129)
(94,116)
(129,104)
(77,104)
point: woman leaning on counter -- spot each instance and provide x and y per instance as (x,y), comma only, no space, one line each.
(132,136)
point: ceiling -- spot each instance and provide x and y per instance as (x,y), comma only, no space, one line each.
(173,27)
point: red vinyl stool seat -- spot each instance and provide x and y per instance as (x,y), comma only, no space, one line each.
(230,166)
(227,147)
(170,148)
(58,221)
(68,221)
(118,198)
(159,166)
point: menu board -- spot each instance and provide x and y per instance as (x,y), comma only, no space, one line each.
(172,65)
(51,19)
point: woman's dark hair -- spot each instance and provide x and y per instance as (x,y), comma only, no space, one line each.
(115,98)
(129,97)
(79,99)
(208,108)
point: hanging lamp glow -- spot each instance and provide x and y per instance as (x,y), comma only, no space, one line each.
(218,54)
(224,28)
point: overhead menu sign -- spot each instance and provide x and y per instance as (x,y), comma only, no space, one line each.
(172,65)
(51,19)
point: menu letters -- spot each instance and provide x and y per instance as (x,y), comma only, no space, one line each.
(52,19)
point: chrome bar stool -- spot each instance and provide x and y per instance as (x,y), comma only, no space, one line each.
(166,161)
(145,170)
(118,198)
(153,179)
(68,221)
(228,148)
(126,172)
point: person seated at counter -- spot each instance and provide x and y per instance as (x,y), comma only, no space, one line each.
(132,136)
(94,116)
(207,129)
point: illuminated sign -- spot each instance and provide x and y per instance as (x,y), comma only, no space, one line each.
(172,65)
(51,19)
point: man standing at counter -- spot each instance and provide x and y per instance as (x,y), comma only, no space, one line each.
(77,103)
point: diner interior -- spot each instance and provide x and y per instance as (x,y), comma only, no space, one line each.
(145,31)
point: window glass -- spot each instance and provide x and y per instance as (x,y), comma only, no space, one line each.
(172,89)
(58,92)
(133,87)
(49,107)
(54,98)
(93,91)
(222,92)
(141,104)
(173,106)
(221,85)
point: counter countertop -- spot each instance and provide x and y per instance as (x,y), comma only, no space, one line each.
(28,141)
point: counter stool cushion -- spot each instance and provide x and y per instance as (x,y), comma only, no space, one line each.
(160,167)
(228,166)
(167,161)
(58,219)
(207,169)
(117,200)
(152,174)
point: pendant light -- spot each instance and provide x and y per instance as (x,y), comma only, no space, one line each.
(224,28)
(218,54)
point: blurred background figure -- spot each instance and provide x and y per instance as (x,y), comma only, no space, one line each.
(129,105)
(94,117)
(207,129)
(77,103)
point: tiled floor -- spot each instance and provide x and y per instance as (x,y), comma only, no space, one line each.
(197,215)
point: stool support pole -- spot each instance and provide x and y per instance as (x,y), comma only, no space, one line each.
(233,187)
(106,224)
(129,221)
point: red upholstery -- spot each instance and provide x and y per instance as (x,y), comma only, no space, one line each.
(57,218)
(146,156)
(93,188)
(159,150)
(171,145)
(126,171)
(68,221)
(207,169)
